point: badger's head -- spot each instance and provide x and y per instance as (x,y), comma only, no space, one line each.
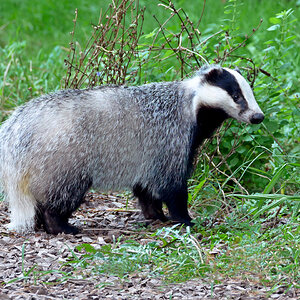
(227,90)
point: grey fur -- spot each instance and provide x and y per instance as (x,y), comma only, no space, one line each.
(111,138)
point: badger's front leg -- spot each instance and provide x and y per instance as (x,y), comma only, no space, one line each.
(150,205)
(176,200)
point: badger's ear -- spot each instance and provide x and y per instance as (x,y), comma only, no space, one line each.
(238,70)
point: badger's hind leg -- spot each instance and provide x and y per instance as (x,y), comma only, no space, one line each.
(54,223)
(61,202)
(151,206)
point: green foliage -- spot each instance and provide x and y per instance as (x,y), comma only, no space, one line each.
(261,157)
(174,255)
(234,249)
(20,81)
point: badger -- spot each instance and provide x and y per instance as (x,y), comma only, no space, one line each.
(143,138)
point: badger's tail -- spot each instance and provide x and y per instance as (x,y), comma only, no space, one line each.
(22,207)
(15,191)
(14,188)
(22,204)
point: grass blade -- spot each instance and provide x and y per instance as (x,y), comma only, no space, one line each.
(275,179)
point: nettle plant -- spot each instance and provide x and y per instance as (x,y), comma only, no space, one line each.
(279,91)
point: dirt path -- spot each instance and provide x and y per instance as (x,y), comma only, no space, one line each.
(102,222)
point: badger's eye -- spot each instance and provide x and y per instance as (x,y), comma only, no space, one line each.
(235,97)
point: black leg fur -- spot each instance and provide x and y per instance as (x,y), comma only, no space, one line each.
(54,223)
(151,207)
(54,214)
(176,201)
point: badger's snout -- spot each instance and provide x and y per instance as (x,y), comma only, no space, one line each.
(257,118)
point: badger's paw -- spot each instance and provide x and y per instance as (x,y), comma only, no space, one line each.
(61,227)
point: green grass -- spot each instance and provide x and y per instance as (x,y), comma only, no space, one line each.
(35,36)
(46,24)
(235,250)
(254,237)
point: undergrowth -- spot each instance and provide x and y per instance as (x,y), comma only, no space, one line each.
(237,250)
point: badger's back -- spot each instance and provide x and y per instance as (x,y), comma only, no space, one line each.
(117,136)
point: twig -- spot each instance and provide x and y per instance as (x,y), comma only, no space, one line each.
(203,7)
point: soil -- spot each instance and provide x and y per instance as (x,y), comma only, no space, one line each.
(102,218)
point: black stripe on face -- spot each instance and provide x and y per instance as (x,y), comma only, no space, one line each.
(226,81)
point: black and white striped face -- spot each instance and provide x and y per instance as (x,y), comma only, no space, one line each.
(226,89)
